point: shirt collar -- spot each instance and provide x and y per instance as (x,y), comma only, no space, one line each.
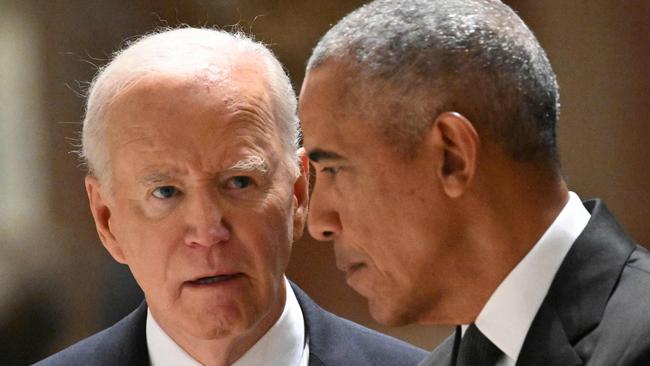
(510,310)
(283,344)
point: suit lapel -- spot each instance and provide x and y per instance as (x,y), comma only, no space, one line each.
(328,345)
(322,339)
(314,360)
(131,339)
(547,343)
(579,292)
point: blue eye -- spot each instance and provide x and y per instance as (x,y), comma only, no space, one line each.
(165,192)
(239,182)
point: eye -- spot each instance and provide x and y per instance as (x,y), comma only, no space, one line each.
(331,170)
(239,182)
(165,192)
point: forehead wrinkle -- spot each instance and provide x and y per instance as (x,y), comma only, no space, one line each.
(142,140)
(252,101)
(249,131)
(250,115)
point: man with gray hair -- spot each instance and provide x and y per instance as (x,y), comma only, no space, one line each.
(431,127)
(195,183)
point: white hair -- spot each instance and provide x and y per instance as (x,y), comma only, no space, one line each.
(182,51)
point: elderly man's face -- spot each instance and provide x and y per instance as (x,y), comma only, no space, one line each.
(205,203)
(388,219)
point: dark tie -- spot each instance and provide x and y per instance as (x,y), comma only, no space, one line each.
(476,350)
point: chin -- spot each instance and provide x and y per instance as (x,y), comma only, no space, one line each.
(388,314)
(218,328)
(222,322)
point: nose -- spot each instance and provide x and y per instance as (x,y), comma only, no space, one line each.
(323,222)
(205,223)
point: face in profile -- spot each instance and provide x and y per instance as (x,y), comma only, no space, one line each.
(384,213)
(204,203)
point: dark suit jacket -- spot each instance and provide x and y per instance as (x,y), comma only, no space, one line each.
(597,310)
(333,341)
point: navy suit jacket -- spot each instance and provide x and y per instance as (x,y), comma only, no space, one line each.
(333,341)
(597,310)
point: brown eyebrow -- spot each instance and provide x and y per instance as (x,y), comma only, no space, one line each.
(317,155)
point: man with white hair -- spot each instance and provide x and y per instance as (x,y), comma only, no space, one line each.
(195,183)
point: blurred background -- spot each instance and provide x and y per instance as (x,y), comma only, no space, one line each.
(58,284)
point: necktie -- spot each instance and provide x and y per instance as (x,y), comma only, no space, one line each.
(476,350)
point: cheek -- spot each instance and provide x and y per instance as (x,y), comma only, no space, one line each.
(148,245)
(266,234)
(383,230)
(365,217)
(140,226)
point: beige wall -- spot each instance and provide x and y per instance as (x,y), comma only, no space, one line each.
(600,50)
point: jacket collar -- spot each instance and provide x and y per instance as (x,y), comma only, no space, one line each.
(579,292)
(317,329)
(129,339)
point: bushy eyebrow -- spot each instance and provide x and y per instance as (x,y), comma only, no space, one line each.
(251,163)
(318,155)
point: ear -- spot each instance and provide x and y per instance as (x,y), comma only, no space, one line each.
(101,211)
(457,145)
(301,195)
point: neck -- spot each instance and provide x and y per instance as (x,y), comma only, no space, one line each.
(508,209)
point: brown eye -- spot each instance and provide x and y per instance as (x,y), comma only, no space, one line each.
(331,170)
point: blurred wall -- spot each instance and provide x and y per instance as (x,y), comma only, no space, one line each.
(57,283)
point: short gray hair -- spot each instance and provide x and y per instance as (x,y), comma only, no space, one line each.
(182,51)
(413,59)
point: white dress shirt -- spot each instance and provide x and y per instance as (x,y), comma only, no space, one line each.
(510,310)
(284,344)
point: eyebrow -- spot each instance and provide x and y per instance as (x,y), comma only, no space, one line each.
(251,164)
(317,155)
(155,178)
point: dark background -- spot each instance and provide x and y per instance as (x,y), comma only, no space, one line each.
(58,284)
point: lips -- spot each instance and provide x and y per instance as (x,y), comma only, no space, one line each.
(354,273)
(215,279)
(348,259)
(355,266)
(349,267)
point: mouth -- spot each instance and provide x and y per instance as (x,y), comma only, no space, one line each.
(217,279)
(350,268)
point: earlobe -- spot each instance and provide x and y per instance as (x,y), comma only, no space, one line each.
(102,215)
(458,145)
(301,195)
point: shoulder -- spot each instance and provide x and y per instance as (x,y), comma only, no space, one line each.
(638,265)
(124,343)
(597,304)
(629,304)
(629,298)
(443,354)
(337,341)
(623,335)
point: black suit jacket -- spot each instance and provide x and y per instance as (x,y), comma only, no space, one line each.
(597,310)
(333,341)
